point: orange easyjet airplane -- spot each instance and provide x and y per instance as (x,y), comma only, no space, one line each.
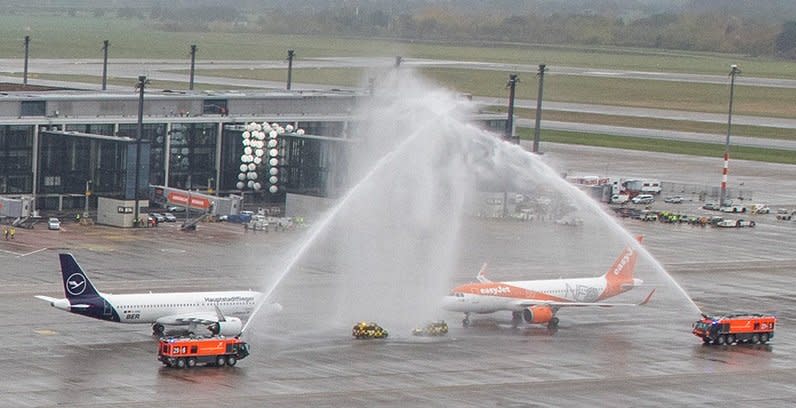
(537,301)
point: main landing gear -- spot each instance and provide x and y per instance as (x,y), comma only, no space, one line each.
(157,330)
(466,321)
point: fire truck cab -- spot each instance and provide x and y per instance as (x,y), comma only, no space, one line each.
(735,328)
(188,352)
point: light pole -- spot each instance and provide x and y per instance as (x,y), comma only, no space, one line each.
(105,45)
(734,70)
(193,65)
(290,55)
(538,127)
(509,131)
(139,132)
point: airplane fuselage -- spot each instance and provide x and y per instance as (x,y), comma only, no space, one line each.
(149,307)
(495,296)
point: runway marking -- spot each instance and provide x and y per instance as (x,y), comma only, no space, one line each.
(10,252)
(32,252)
(45,332)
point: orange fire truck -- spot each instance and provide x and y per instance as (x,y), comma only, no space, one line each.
(187,352)
(735,328)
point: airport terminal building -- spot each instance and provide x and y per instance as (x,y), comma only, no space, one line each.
(54,144)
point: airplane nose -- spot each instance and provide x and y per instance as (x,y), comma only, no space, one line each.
(449,303)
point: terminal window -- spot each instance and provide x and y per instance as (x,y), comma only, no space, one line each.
(33,108)
(214,107)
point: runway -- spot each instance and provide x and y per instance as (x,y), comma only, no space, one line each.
(304,357)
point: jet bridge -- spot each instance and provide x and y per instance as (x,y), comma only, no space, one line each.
(206,203)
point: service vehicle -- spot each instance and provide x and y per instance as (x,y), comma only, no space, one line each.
(169,217)
(733,208)
(53,224)
(713,206)
(745,223)
(368,330)
(751,328)
(760,209)
(643,199)
(437,328)
(673,200)
(619,199)
(188,352)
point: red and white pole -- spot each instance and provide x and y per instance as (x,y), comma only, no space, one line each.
(734,70)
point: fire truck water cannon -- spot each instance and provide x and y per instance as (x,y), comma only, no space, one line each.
(752,328)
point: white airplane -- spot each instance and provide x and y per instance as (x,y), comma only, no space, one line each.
(537,301)
(218,312)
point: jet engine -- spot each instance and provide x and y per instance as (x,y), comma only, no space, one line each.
(538,314)
(230,327)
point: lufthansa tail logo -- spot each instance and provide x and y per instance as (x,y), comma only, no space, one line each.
(76,284)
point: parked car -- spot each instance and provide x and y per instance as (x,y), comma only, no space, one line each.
(158,217)
(53,224)
(175,208)
(170,217)
(673,200)
(713,206)
(760,209)
(643,199)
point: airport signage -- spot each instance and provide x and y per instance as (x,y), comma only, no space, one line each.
(182,199)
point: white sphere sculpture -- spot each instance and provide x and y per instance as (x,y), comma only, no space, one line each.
(243,168)
(273,162)
(240,185)
(289,128)
(251,167)
(247,150)
(258,160)
(241,176)
(273,180)
(300,132)
(272,143)
(250,184)
(257,186)
(273,171)
(273,134)
(273,152)
(273,189)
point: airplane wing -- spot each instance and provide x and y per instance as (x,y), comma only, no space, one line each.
(203,318)
(531,302)
(46,298)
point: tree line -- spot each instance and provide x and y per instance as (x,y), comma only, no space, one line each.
(717,31)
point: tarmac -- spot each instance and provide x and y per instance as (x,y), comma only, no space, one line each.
(303,357)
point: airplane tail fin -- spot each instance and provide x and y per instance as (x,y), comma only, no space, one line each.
(76,282)
(620,276)
(481,278)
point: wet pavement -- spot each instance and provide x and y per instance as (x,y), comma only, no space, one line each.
(304,356)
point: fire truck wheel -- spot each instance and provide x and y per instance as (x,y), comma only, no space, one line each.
(755,338)
(706,340)
(180,363)
(191,363)
(721,340)
(764,338)
(731,339)
(231,361)
(220,361)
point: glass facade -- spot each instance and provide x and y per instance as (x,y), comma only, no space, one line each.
(16,159)
(192,155)
(156,134)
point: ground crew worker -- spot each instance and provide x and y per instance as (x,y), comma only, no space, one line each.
(5,233)
(13,231)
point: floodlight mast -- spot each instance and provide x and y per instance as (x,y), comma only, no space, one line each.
(734,70)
